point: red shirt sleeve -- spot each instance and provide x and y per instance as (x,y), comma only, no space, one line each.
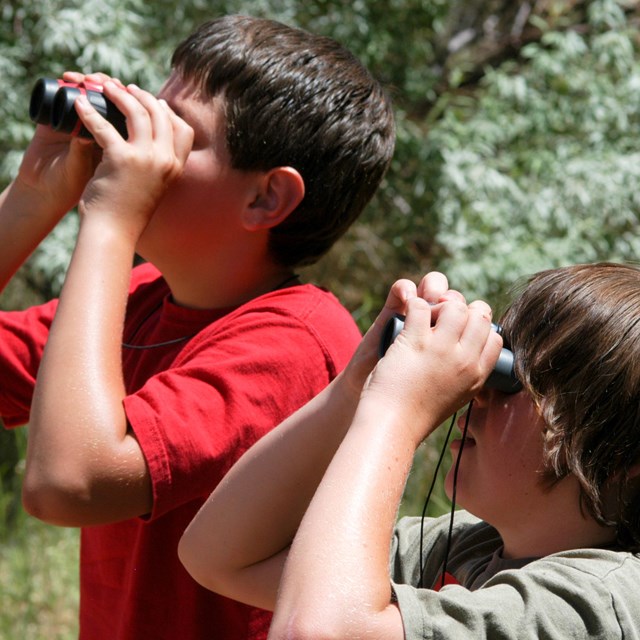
(231,385)
(23,335)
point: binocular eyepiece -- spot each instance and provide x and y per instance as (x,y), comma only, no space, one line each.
(502,378)
(52,103)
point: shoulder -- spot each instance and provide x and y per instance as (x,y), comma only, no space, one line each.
(306,302)
(617,571)
(466,529)
(595,590)
(305,315)
(586,593)
(303,330)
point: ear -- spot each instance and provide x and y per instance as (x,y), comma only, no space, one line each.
(281,190)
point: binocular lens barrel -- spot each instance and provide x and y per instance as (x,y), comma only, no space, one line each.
(52,103)
(502,377)
(42,97)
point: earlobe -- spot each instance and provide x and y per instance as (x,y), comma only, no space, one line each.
(281,191)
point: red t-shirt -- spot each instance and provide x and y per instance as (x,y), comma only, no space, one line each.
(208,385)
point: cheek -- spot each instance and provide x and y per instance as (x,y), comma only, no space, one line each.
(507,458)
(195,191)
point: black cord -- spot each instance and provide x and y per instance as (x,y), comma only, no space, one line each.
(426,502)
(453,495)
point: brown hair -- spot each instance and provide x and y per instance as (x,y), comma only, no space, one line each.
(576,335)
(296,99)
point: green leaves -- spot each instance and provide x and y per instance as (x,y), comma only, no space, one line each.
(517,127)
(542,168)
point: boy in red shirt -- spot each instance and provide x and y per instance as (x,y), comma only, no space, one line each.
(262,147)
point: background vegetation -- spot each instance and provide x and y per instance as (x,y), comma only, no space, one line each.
(517,150)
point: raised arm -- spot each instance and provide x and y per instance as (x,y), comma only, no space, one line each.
(84,466)
(238,542)
(336,582)
(54,171)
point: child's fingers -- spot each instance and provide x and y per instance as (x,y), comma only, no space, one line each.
(479,338)
(167,128)
(450,319)
(102,131)
(138,115)
(159,116)
(418,320)
(492,342)
(97,78)
(401,291)
(433,286)
(396,303)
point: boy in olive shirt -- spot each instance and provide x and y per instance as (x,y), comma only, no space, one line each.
(551,474)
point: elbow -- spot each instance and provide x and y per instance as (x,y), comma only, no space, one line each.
(53,499)
(189,561)
(208,564)
(194,563)
(333,619)
(200,563)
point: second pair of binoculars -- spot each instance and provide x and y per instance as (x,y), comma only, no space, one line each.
(503,377)
(52,103)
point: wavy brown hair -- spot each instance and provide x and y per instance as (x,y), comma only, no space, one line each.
(576,335)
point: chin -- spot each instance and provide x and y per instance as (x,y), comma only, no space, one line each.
(464,495)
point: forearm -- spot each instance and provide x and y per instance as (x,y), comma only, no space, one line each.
(237,543)
(337,581)
(269,489)
(84,466)
(78,428)
(25,220)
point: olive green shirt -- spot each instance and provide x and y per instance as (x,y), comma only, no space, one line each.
(583,593)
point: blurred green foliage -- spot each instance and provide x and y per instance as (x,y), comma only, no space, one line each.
(542,168)
(517,129)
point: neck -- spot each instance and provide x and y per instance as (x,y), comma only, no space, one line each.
(556,524)
(227,274)
(230,292)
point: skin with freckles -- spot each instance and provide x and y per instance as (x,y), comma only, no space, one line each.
(500,479)
(501,456)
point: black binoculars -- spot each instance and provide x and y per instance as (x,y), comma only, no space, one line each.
(52,103)
(502,378)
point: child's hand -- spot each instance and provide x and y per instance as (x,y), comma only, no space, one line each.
(433,288)
(56,167)
(134,173)
(435,366)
